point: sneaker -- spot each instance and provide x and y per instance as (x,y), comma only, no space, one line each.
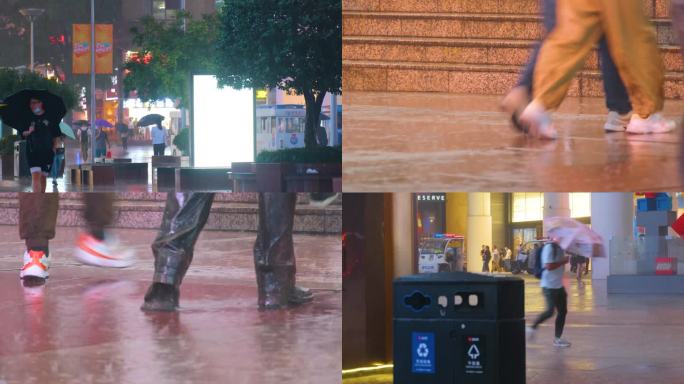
(617,122)
(513,104)
(530,333)
(36,264)
(561,343)
(538,121)
(655,123)
(102,253)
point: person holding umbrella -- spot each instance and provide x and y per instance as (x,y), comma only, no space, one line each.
(553,259)
(36,115)
(42,139)
(158,133)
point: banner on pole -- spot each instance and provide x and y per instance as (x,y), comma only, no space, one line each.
(104,49)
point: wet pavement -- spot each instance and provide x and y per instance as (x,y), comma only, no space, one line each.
(615,339)
(85,325)
(426,142)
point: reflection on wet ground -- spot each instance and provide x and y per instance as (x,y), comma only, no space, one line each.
(615,339)
(85,325)
(415,142)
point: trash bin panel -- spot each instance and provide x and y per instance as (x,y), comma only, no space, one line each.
(459,328)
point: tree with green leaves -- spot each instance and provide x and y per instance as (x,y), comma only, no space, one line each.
(12,81)
(293,45)
(167,55)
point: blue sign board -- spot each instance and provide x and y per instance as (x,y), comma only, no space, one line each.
(423,347)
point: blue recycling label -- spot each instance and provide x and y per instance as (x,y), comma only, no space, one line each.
(423,347)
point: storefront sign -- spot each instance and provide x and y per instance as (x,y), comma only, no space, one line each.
(430,197)
(666,266)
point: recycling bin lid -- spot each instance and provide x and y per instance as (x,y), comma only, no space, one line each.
(450,277)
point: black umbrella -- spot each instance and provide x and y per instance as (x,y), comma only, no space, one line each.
(121,127)
(150,120)
(17,110)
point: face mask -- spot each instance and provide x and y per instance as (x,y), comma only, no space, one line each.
(37,110)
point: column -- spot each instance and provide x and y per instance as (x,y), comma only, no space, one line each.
(479,228)
(612,216)
(402,233)
(556,205)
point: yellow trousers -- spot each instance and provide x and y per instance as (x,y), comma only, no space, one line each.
(632,42)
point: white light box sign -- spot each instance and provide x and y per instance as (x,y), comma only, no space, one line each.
(223,123)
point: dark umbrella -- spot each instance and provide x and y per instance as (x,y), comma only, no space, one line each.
(17,111)
(121,127)
(150,120)
(103,123)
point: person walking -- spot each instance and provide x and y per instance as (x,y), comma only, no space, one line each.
(101,143)
(632,45)
(42,140)
(617,99)
(486,257)
(581,263)
(124,139)
(84,139)
(553,259)
(37,222)
(496,259)
(159,140)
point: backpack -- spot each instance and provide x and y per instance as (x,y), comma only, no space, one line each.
(538,266)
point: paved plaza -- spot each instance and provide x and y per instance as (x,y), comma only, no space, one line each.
(85,324)
(426,142)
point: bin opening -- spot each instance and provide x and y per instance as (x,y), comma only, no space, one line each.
(417,301)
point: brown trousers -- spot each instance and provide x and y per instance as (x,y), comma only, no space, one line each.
(38,215)
(631,40)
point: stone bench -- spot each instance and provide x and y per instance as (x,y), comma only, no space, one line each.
(286,177)
(119,173)
(166,161)
(193,178)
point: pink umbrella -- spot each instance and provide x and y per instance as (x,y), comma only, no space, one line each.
(574,237)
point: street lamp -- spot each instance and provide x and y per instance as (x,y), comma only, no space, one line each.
(31,14)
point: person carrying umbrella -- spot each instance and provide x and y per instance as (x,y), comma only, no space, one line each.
(42,139)
(553,259)
(36,115)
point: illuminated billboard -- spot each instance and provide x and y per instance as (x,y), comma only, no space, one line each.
(223,123)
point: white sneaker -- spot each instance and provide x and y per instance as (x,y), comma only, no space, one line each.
(513,104)
(617,122)
(538,121)
(530,333)
(107,253)
(36,264)
(561,343)
(655,123)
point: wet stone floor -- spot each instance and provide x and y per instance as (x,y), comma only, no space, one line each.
(85,325)
(426,142)
(616,339)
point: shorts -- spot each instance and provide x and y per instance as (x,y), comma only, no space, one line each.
(44,169)
(41,161)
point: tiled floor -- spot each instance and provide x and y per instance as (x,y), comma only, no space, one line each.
(616,339)
(415,142)
(85,326)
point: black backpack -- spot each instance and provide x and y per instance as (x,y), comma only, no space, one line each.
(538,266)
